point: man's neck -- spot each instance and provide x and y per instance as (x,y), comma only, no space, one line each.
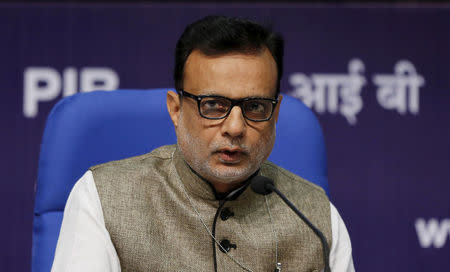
(223,190)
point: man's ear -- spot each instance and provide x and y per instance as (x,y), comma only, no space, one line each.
(173,107)
(277,109)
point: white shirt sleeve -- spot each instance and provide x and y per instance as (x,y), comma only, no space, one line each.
(84,244)
(341,249)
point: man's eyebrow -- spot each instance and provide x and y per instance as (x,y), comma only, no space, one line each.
(214,93)
(209,92)
(265,97)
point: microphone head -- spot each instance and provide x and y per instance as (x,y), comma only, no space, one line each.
(259,185)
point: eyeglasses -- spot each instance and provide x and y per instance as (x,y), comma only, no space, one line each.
(219,107)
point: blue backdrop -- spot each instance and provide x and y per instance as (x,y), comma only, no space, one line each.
(377,77)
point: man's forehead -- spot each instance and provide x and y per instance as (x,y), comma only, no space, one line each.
(251,75)
(249,54)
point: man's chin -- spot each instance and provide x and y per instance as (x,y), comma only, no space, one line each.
(230,173)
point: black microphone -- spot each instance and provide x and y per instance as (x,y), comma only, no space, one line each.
(264,186)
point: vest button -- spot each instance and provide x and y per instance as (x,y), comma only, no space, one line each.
(226,213)
(226,245)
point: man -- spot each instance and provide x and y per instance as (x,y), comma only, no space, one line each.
(188,207)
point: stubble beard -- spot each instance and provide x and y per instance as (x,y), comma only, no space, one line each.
(192,146)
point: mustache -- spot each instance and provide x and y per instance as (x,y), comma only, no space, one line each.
(217,146)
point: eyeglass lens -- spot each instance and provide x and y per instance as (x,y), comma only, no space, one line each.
(216,107)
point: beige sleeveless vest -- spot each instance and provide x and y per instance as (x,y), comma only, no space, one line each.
(154,227)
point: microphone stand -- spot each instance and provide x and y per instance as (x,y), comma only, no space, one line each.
(325,247)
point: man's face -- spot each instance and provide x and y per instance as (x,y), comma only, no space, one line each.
(226,151)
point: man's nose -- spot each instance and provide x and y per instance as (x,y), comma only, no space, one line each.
(234,124)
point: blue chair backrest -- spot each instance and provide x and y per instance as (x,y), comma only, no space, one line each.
(92,128)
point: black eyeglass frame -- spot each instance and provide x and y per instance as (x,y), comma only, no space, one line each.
(234,102)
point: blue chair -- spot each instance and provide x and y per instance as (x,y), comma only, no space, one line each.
(92,128)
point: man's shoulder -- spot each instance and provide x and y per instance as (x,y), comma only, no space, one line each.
(290,182)
(159,155)
(129,176)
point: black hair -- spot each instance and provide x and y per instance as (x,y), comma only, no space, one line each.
(218,35)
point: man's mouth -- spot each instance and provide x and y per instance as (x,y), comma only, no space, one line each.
(231,156)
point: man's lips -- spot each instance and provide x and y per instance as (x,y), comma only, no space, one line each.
(231,155)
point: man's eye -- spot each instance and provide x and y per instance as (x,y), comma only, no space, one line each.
(214,105)
(256,107)
(211,104)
